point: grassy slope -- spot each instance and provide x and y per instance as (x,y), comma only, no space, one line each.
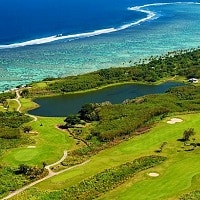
(50,144)
(175,175)
(12,104)
(27,104)
(173,180)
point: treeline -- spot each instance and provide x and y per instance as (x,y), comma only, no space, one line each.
(194,195)
(13,119)
(10,124)
(15,178)
(10,181)
(105,181)
(180,63)
(5,96)
(11,130)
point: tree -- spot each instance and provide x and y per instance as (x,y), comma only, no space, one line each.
(31,172)
(24,93)
(89,112)
(22,169)
(187,134)
(27,129)
(72,120)
(44,164)
(86,109)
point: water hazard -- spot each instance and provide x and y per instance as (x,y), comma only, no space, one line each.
(71,103)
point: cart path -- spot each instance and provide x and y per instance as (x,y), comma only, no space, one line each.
(20,105)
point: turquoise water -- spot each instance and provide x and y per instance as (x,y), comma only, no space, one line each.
(175,26)
(71,103)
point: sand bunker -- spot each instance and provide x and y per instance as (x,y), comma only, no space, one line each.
(31,147)
(174,121)
(153,174)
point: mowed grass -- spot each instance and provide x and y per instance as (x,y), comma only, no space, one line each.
(12,106)
(176,174)
(49,146)
(2,109)
(27,104)
(175,177)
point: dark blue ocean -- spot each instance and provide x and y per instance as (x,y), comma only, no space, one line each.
(58,38)
(22,20)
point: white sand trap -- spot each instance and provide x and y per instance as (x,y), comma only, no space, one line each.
(174,121)
(153,174)
(31,147)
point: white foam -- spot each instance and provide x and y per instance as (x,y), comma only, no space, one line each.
(150,16)
(55,38)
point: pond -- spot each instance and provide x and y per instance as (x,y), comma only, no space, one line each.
(61,106)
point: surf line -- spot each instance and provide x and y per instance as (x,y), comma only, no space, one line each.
(150,16)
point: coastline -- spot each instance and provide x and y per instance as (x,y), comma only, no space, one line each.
(94,53)
(179,79)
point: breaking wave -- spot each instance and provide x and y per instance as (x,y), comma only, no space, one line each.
(150,16)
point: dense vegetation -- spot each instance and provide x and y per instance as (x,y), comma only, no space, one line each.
(31,172)
(180,63)
(10,129)
(195,195)
(5,96)
(114,123)
(13,119)
(102,182)
(9,181)
(11,136)
(125,119)
(13,179)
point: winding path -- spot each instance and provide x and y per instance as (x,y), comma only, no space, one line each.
(17,99)
(51,174)
(20,105)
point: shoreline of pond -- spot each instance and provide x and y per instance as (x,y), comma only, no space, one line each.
(71,103)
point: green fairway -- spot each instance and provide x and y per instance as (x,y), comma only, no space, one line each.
(27,104)
(176,173)
(49,146)
(174,178)
(12,105)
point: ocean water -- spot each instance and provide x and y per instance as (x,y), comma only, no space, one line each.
(57,38)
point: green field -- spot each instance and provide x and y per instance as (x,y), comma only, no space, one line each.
(49,144)
(178,174)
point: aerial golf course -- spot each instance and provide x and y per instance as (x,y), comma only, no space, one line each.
(147,147)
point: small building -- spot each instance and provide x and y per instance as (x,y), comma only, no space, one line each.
(193,80)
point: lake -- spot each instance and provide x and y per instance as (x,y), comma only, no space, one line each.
(71,103)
